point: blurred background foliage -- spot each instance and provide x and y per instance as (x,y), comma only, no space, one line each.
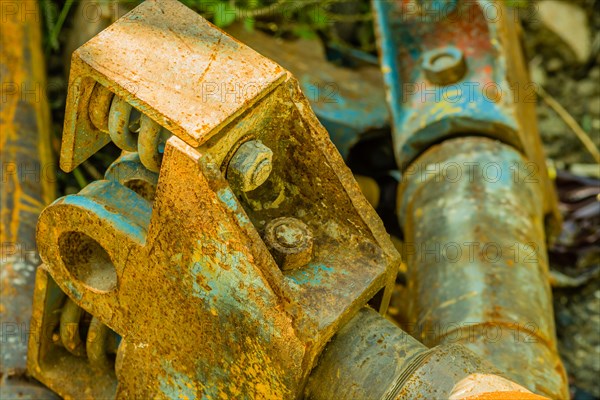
(339,22)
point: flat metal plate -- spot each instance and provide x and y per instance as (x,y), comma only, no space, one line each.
(218,78)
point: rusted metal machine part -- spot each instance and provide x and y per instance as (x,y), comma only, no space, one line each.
(490,93)
(184,277)
(478,267)
(73,372)
(67,343)
(453,71)
(27,186)
(348,102)
(370,358)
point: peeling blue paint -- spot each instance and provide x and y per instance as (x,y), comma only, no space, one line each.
(73,290)
(177,386)
(423,115)
(228,198)
(311,274)
(221,276)
(345,117)
(114,203)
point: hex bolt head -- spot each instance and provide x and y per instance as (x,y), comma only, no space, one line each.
(444,66)
(290,242)
(250,166)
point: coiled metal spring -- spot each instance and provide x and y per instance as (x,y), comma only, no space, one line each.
(100,340)
(113,115)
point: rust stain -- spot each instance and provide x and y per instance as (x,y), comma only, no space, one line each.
(178,266)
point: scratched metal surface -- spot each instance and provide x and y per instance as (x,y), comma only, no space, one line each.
(478,266)
(370,358)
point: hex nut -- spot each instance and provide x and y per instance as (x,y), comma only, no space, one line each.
(444,66)
(290,242)
(250,166)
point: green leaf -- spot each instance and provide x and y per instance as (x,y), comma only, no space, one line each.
(517,3)
(249,24)
(304,31)
(317,15)
(224,15)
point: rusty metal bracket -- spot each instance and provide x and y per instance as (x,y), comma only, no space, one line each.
(185,276)
(455,68)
